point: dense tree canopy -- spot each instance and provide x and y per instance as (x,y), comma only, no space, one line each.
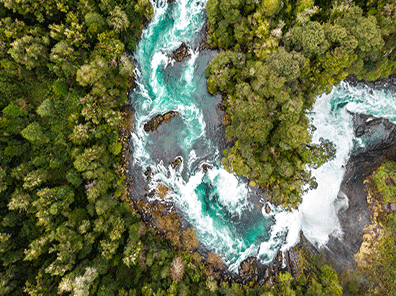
(276,57)
(67,225)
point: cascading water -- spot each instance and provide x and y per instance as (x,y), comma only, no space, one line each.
(332,116)
(218,204)
(215,203)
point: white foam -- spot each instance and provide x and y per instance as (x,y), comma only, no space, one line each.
(232,192)
(317,214)
(319,217)
(319,207)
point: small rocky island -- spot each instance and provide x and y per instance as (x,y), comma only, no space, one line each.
(379,132)
(156,121)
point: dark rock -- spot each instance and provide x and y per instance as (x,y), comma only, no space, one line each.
(293,263)
(181,53)
(266,276)
(252,270)
(247,270)
(388,83)
(267,208)
(206,167)
(380,138)
(389,208)
(389,181)
(204,44)
(367,125)
(156,121)
(221,107)
(279,257)
(359,131)
(148,171)
(177,162)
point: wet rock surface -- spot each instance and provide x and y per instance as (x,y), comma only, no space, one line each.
(388,83)
(389,208)
(206,167)
(181,53)
(248,270)
(177,162)
(156,121)
(290,261)
(379,137)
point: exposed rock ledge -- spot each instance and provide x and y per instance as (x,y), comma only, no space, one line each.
(181,53)
(156,121)
(251,270)
(382,137)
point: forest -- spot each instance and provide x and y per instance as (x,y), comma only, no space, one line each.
(67,223)
(276,57)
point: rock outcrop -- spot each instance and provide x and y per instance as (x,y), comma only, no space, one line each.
(176,162)
(251,270)
(380,136)
(181,53)
(156,121)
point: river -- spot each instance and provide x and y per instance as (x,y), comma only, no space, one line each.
(221,206)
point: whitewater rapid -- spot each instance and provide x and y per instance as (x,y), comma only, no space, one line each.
(219,204)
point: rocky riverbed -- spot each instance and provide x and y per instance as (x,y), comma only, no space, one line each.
(380,134)
(351,203)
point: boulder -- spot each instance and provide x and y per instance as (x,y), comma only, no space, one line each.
(156,121)
(177,162)
(181,53)
(247,270)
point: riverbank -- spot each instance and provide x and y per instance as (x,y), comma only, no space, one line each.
(162,153)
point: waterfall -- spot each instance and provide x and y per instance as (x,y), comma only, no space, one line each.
(218,204)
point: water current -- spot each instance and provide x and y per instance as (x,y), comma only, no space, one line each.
(221,206)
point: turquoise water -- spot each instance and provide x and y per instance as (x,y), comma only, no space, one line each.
(225,212)
(217,203)
(332,117)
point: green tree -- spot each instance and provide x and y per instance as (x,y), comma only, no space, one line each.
(64,59)
(34,133)
(29,51)
(118,20)
(310,39)
(365,31)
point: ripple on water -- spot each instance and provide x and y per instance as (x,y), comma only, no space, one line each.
(220,205)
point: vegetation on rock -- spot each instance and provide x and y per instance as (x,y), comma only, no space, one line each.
(376,256)
(67,225)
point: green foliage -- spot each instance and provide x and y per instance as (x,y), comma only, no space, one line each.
(270,7)
(29,51)
(66,226)
(310,39)
(364,29)
(384,179)
(288,59)
(63,228)
(93,19)
(118,20)
(33,133)
(46,108)
(287,64)
(63,58)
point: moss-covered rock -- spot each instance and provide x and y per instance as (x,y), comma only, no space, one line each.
(156,121)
